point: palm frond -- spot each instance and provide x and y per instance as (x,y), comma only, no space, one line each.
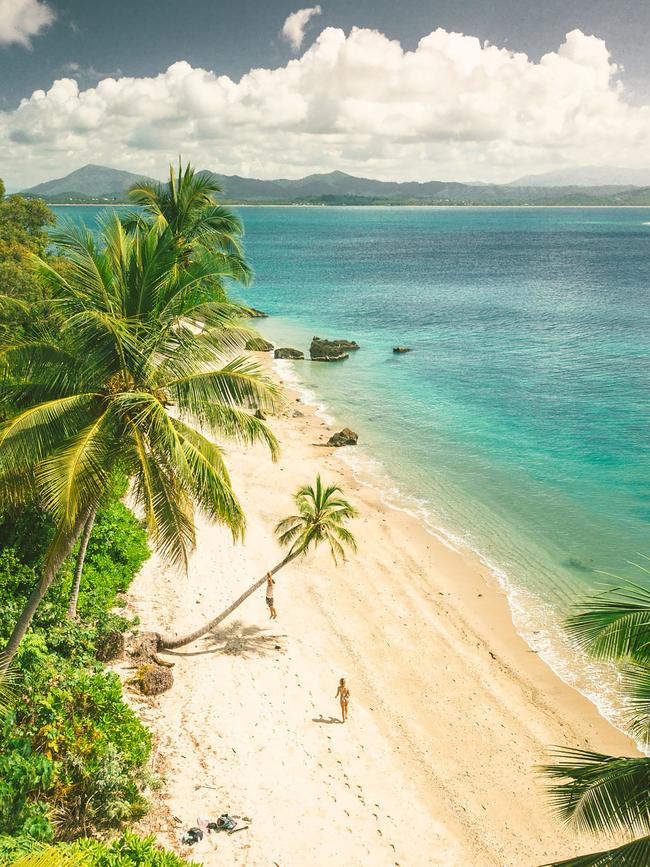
(615,624)
(636,688)
(601,793)
(634,854)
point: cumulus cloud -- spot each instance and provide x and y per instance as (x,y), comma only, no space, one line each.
(453,108)
(293,29)
(22,19)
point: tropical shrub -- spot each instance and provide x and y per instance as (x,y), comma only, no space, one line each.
(72,752)
(129,850)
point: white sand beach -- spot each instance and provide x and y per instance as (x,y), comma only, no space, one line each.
(450,710)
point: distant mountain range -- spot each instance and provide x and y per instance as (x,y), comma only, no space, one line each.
(93,183)
(587,176)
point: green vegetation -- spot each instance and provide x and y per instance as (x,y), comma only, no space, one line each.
(23,233)
(70,749)
(601,793)
(129,850)
(322,516)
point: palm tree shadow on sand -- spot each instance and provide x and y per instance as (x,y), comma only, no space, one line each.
(236,639)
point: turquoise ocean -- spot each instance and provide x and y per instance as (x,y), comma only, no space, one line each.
(518,425)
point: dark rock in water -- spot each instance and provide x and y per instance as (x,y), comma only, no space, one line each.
(256,314)
(260,415)
(110,646)
(401,349)
(287,352)
(153,679)
(330,350)
(345,437)
(258,344)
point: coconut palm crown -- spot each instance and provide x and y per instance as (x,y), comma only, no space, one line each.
(139,373)
(322,515)
(187,205)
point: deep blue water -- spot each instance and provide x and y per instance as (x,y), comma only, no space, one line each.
(520,418)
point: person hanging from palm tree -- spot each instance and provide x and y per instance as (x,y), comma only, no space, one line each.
(269,596)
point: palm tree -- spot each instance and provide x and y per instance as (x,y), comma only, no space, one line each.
(601,793)
(141,357)
(322,515)
(187,206)
(79,563)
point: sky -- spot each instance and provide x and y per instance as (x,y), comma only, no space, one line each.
(413,90)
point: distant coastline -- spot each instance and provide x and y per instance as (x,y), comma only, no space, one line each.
(431,205)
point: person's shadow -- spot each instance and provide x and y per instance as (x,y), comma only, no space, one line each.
(332,720)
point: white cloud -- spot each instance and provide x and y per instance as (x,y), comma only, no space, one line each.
(293,29)
(22,19)
(453,108)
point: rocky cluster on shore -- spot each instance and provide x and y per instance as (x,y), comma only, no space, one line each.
(331,350)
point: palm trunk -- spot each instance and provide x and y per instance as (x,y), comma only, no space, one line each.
(59,550)
(173,643)
(79,567)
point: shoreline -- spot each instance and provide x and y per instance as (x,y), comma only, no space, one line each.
(366,206)
(448,702)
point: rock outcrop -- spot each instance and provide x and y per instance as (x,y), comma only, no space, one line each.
(287,352)
(401,349)
(345,437)
(152,679)
(258,344)
(331,350)
(256,314)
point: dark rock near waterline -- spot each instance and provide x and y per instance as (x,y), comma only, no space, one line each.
(401,349)
(287,352)
(153,679)
(258,344)
(256,314)
(345,437)
(331,350)
(297,414)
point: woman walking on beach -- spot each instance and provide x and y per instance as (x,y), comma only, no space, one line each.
(269,596)
(344,694)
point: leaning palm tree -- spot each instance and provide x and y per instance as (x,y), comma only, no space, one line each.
(187,206)
(142,356)
(601,793)
(322,516)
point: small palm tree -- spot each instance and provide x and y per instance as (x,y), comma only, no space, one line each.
(601,793)
(141,357)
(322,516)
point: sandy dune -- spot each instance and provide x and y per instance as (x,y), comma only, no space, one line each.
(450,710)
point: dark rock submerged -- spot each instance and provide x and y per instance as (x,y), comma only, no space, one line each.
(401,349)
(345,437)
(287,352)
(331,350)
